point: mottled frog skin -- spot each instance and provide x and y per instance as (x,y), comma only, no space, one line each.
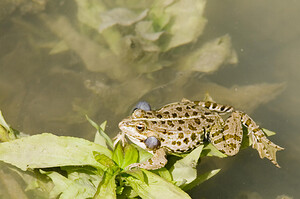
(182,126)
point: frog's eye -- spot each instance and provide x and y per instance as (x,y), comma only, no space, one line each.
(140,127)
(152,142)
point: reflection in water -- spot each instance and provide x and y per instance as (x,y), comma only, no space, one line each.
(99,61)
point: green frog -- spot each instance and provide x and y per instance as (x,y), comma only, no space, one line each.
(182,126)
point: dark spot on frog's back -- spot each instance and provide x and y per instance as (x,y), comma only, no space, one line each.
(186,115)
(180,135)
(170,123)
(193,136)
(174,115)
(179,108)
(159,116)
(186,140)
(195,113)
(197,121)
(191,127)
(181,121)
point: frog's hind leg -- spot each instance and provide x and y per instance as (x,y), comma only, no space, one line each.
(229,138)
(216,107)
(259,141)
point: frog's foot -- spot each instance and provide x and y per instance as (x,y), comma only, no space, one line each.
(259,141)
(157,161)
(229,138)
(120,137)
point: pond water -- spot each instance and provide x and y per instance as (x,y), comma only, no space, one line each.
(51,75)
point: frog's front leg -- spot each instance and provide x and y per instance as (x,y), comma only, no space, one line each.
(227,136)
(157,161)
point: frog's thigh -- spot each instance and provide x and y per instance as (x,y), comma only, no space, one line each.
(228,139)
(157,161)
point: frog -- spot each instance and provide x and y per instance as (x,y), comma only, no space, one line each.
(180,127)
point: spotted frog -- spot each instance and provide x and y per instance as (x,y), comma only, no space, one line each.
(182,126)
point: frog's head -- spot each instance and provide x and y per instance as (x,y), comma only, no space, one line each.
(136,129)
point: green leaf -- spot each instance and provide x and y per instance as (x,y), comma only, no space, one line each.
(67,188)
(268,132)
(145,30)
(121,16)
(131,155)
(107,187)
(150,186)
(187,22)
(47,150)
(210,150)
(200,179)
(164,173)
(209,57)
(104,160)
(184,170)
(118,155)
(100,130)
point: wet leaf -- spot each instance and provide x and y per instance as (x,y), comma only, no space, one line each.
(210,56)
(121,16)
(184,170)
(107,187)
(69,188)
(131,155)
(200,179)
(47,150)
(210,150)
(150,186)
(118,155)
(187,22)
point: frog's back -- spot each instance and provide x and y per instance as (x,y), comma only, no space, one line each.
(180,125)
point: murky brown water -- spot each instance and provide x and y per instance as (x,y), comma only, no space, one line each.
(42,92)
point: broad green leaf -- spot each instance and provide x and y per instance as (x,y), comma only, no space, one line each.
(164,173)
(67,188)
(48,150)
(121,16)
(107,187)
(131,155)
(184,170)
(157,13)
(209,57)
(151,186)
(200,179)
(145,30)
(187,22)
(118,155)
(88,12)
(210,150)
